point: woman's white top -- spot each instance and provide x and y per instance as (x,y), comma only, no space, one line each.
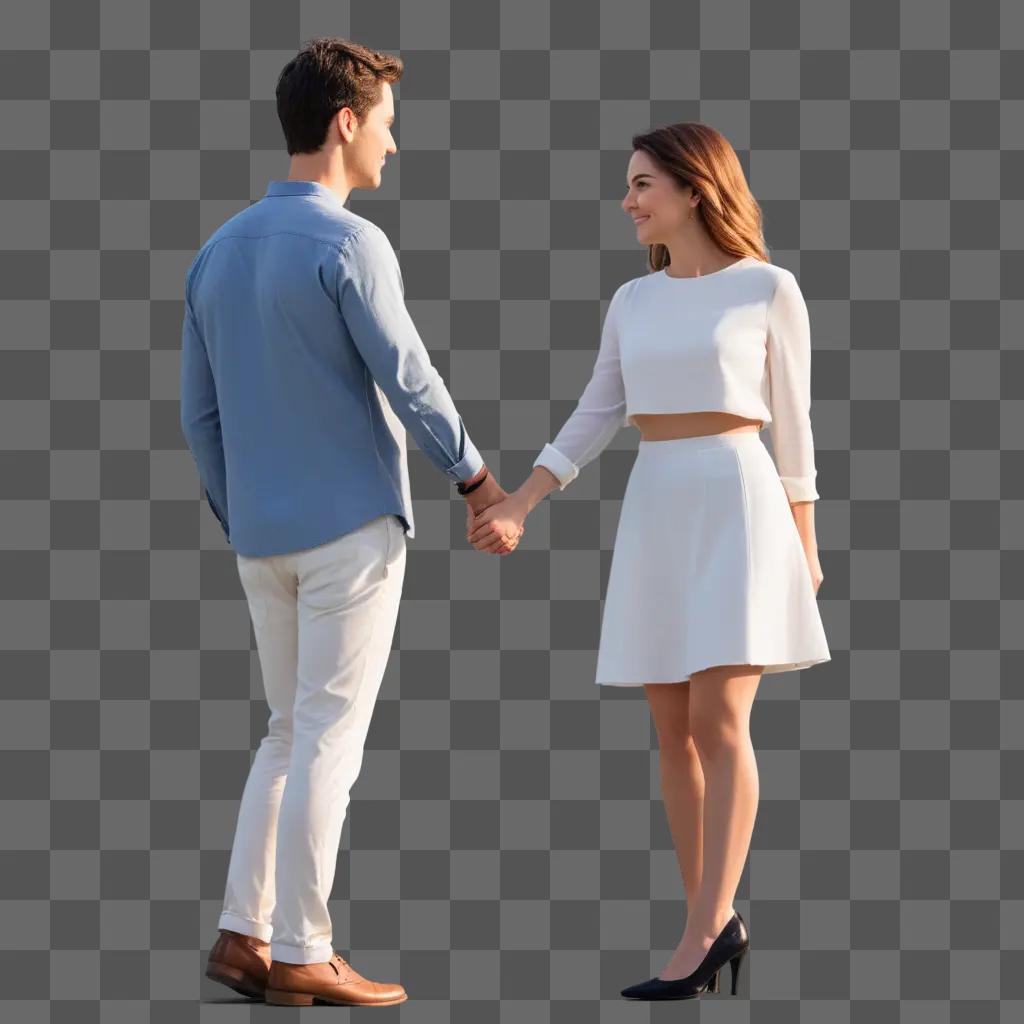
(736,340)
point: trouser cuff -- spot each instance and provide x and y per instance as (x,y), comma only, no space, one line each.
(245,925)
(320,953)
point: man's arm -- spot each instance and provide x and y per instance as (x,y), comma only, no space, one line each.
(200,416)
(371,300)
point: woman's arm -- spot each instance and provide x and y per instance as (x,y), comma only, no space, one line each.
(789,376)
(600,412)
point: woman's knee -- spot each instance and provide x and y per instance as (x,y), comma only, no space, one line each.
(715,737)
(720,705)
(670,712)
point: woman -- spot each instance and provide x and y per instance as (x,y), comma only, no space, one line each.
(715,571)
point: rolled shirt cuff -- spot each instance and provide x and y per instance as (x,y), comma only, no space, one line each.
(564,469)
(799,488)
(468,466)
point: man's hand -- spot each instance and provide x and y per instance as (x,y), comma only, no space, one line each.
(489,492)
(499,527)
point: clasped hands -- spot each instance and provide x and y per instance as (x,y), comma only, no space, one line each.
(494,518)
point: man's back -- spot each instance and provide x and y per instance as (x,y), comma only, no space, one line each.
(292,315)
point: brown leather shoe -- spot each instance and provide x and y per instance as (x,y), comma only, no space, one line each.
(241,962)
(333,981)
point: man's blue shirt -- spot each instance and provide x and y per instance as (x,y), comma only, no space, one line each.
(301,370)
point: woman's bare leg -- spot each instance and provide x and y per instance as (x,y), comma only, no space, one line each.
(719,706)
(682,778)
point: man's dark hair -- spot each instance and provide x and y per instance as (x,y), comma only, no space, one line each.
(325,75)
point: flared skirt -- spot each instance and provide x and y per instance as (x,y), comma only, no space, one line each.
(708,567)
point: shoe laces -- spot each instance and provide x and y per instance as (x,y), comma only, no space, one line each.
(346,970)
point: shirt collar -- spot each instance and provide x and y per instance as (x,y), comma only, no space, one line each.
(302,188)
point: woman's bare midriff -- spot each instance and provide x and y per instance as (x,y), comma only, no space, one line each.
(665,426)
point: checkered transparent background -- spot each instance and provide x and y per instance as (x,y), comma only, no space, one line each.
(506,854)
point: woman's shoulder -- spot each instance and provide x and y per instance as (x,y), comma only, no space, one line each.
(634,284)
(768,271)
(779,273)
(784,284)
(767,280)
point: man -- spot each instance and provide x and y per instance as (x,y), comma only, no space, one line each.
(300,367)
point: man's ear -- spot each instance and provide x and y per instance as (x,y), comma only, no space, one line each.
(345,120)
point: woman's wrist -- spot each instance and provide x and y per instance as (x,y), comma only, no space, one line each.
(535,488)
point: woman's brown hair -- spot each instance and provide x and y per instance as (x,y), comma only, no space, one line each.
(698,155)
(327,74)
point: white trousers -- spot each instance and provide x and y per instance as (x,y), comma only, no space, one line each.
(324,619)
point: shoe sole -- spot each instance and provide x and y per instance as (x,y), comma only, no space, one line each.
(711,987)
(235,979)
(662,999)
(278,997)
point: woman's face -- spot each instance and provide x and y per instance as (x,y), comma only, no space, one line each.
(658,207)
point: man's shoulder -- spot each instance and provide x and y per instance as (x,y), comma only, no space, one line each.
(334,226)
(365,234)
(338,227)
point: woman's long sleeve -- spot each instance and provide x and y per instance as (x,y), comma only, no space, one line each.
(599,414)
(789,371)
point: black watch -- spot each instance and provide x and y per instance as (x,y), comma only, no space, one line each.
(463,488)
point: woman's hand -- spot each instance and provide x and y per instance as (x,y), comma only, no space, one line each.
(498,527)
(803,516)
(815,566)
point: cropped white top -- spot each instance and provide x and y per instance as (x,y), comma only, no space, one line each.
(736,340)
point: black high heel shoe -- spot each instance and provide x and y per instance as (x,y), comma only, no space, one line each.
(730,947)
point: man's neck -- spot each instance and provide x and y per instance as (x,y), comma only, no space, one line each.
(330,175)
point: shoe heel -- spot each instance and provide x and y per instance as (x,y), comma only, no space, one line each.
(278,997)
(713,983)
(734,963)
(235,979)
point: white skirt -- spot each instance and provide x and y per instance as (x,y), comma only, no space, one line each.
(708,567)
